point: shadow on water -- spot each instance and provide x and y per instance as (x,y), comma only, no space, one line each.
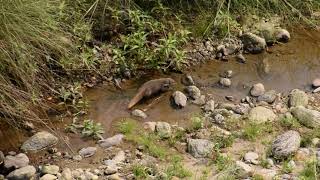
(285,67)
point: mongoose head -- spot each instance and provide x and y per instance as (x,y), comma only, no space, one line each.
(168,83)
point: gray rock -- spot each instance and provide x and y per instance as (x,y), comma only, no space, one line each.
(112,141)
(316,82)
(50,169)
(163,129)
(307,117)
(209,106)
(261,114)
(66,174)
(16,162)
(150,126)
(24,173)
(39,141)
(1,157)
(286,144)
(179,99)
(247,169)
(90,176)
(241,108)
(119,157)
(282,35)
(193,92)
(218,118)
(240,58)
(200,101)
(139,113)
(269,96)
(270,162)
(187,80)
(253,43)
(298,98)
(48,177)
(316,90)
(226,82)
(87,152)
(266,173)
(257,90)
(77,158)
(251,157)
(200,147)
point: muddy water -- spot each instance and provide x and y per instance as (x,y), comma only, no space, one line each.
(284,67)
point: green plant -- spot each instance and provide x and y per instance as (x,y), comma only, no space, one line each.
(257,177)
(289,123)
(253,130)
(197,123)
(223,141)
(222,162)
(177,136)
(140,172)
(176,168)
(127,126)
(287,167)
(307,136)
(310,171)
(92,129)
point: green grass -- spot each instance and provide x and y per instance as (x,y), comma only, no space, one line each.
(289,123)
(306,137)
(140,171)
(176,168)
(197,122)
(287,167)
(252,131)
(310,171)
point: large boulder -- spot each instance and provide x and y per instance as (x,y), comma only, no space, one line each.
(24,173)
(307,117)
(261,114)
(253,43)
(298,98)
(200,147)
(286,144)
(39,141)
(16,162)
(111,141)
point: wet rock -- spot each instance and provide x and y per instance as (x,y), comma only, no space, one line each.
(209,106)
(316,90)
(23,173)
(193,92)
(66,174)
(139,113)
(39,141)
(1,157)
(151,126)
(298,98)
(240,58)
(251,157)
(187,80)
(269,96)
(50,169)
(307,117)
(179,99)
(282,35)
(226,82)
(16,162)
(286,144)
(200,147)
(261,114)
(48,177)
(200,101)
(163,129)
(112,141)
(253,43)
(227,74)
(316,82)
(257,90)
(87,152)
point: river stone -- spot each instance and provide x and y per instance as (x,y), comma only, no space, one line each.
(298,98)
(257,90)
(316,82)
(150,126)
(163,129)
(16,162)
(50,169)
(209,106)
(240,58)
(253,43)
(226,82)
(307,117)
(179,99)
(269,96)
(187,80)
(282,35)
(267,174)
(87,152)
(1,157)
(200,101)
(119,157)
(139,113)
(251,157)
(286,144)
(48,177)
(261,114)
(247,169)
(242,108)
(39,141)
(193,92)
(112,141)
(200,147)
(66,174)
(316,90)
(24,173)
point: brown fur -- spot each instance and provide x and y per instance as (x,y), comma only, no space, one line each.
(150,88)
